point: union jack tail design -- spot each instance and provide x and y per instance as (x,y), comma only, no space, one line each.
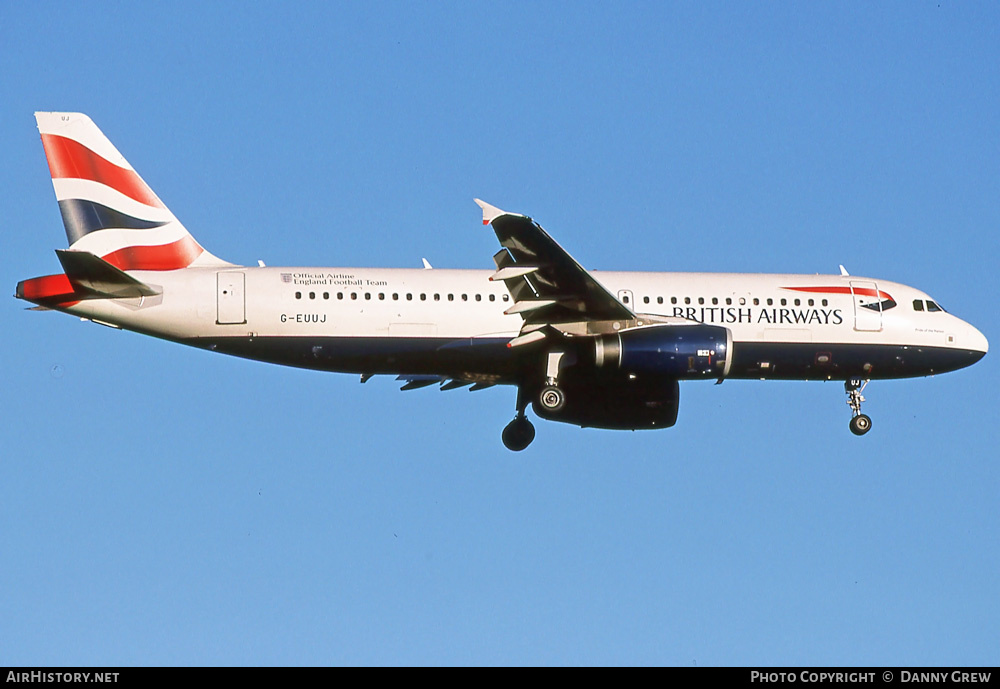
(107,208)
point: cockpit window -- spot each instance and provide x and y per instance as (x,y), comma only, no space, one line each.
(883,305)
(921,305)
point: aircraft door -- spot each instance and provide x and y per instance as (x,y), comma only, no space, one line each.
(231,298)
(867,306)
(625,297)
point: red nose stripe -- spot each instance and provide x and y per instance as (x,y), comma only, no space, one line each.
(864,291)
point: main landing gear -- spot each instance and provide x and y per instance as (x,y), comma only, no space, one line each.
(860,423)
(552,398)
(519,433)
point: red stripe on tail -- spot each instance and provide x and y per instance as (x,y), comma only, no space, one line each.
(179,254)
(69,159)
(49,289)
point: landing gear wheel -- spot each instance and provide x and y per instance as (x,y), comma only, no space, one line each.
(518,434)
(552,398)
(861,424)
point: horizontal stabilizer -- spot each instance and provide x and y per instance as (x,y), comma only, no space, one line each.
(91,274)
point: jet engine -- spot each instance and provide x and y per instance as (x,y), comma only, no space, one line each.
(677,352)
(628,380)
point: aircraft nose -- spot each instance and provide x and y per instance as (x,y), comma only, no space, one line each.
(978,342)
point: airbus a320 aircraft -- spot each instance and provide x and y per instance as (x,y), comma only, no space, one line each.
(603,350)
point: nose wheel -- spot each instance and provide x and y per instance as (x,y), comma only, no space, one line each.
(860,423)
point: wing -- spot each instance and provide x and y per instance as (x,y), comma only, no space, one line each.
(547,285)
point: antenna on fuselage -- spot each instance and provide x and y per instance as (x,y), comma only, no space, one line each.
(843,270)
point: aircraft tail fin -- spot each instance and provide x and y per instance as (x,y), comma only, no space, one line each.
(107,208)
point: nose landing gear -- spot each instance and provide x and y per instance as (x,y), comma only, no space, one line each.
(860,423)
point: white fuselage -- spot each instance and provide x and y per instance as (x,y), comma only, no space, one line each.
(402,304)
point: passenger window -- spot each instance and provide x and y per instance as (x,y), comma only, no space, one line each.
(715,300)
(479,297)
(659,300)
(326,295)
(826,302)
(770,302)
(451,297)
(645,300)
(395,296)
(409,296)
(423,296)
(298,295)
(506,297)
(493,297)
(812,302)
(368,295)
(687,300)
(354,295)
(340,295)
(465,297)
(784,302)
(673,300)
(756,301)
(701,300)
(381,296)
(437,297)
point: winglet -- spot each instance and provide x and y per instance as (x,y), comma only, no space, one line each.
(490,213)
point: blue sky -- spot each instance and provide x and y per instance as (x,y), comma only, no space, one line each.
(162,505)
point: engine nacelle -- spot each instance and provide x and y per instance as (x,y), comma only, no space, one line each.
(616,403)
(628,380)
(660,352)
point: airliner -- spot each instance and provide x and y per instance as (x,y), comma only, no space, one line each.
(595,349)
